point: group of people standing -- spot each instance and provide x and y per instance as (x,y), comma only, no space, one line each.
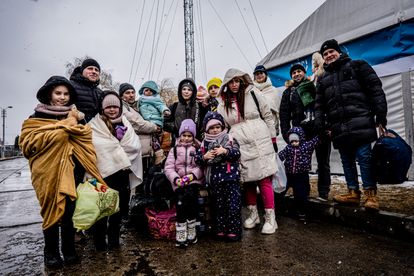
(225,141)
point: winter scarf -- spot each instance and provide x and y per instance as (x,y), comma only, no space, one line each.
(53,109)
(49,145)
(114,155)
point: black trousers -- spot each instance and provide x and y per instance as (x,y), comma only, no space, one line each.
(111,225)
(187,202)
(323,154)
(301,188)
(51,234)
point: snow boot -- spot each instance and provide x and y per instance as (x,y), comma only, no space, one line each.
(352,197)
(253,219)
(270,225)
(191,231)
(181,234)
(371,200)
(68,245)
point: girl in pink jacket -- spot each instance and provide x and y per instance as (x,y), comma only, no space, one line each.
(185,176)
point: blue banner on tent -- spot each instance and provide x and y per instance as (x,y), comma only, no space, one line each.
(376,48)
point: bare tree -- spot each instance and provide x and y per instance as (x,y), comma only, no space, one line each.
(168,92)
(105,83)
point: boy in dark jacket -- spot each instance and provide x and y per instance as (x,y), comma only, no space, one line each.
(297,157)
(220,153)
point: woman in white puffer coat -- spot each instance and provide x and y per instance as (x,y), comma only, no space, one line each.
(271,93)
(253,126)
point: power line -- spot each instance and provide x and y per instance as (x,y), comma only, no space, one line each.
(200,42)
(145,37)
(153,38)
(248,29)
(168,39)
(231,36)
(136,41)
(203,41)
(260,30)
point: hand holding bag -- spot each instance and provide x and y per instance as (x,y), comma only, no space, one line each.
(279,179)
(94,202)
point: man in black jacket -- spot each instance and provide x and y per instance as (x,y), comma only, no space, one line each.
(349,104)
(85,80)
(292,114)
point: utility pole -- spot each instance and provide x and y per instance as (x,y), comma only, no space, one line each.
(189,39)
(3,115)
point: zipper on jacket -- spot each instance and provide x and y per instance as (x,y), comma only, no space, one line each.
(185,161)
(294,160)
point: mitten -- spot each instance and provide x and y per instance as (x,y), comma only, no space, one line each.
(179,182)
(381,121)
(120,132)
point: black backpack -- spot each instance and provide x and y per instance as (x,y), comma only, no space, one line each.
(391,157)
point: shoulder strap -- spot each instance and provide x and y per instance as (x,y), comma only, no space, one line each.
(257,103)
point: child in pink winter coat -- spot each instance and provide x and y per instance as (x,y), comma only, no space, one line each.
(186,177)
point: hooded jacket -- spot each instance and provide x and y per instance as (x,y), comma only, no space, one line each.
(273,99)
(181,111)
(89,96)
(183,165)
(152,107)
(258,159)
(350,102)
(298,159)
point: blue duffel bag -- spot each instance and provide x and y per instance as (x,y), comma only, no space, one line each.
(391,157)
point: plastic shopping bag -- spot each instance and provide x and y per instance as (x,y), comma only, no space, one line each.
(94,202)
(279,179)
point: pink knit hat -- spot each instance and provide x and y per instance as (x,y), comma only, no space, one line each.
(188,125)
(213,122)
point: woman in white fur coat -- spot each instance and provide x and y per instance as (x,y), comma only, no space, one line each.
(119,161)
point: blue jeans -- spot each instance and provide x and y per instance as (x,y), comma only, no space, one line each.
(349,157)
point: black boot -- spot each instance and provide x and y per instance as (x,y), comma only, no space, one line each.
(99,234)
(68,235)
(52,257)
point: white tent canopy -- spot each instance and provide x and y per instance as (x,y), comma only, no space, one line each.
(343,20)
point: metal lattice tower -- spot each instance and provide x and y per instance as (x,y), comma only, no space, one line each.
(189,39)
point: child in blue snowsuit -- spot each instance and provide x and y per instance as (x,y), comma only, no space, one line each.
(153,109)
(297,157)
(219,154)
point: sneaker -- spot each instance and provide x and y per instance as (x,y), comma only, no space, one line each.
(352,197)
(322,198)
(53,261)
(253,219)
(233,237)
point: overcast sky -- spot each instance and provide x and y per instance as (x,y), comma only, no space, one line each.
(38,37)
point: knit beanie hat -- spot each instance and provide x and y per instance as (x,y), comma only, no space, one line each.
(110,100)
(90,62)
(330,44)
(293,137)
(260,68)
(296,67)
(211,119)
(124,87)
(188,125)
(214,81)
(189,85)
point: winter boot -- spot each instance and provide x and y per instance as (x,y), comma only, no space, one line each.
(253,217)
(68,245)
(52,257)
(181,234)
(352,197)
(270,225)
(371,200)
(191,231)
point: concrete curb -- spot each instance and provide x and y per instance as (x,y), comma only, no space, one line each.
(400,226)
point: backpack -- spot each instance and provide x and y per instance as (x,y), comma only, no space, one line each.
(391,157)
(156,184)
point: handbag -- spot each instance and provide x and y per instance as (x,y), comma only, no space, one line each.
(94,201)
(279,179)
(161,224)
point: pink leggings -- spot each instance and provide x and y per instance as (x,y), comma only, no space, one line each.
(266,191)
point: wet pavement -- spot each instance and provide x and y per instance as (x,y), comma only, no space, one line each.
(317,248)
